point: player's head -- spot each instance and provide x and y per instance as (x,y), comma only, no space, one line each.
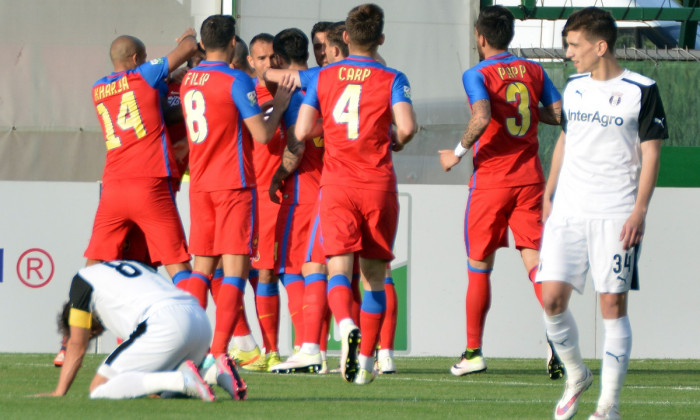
(96,327)
(127,52)
(318,39)
(336,48)
(495,26)
(197,58)
(218,33)
(590,34)
(364,27)
(261,53)
(240,56)
(291,46)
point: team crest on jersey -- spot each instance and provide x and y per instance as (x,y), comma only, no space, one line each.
(156,61)
(252,98)
(407,92)
(615,99)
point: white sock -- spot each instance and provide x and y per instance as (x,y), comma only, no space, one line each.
(244,342)
(138,384)
(310,348)
(384,353)
(364,362)
(562,332)
(323,354)
(345,323)
(617,345)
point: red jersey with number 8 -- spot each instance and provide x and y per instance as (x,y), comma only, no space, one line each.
(506,154)
(355,97)
(129,110)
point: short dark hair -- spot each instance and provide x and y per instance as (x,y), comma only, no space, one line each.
(291,45)
(596,24)
(495,23)
(365,24)
(334,37)
(217,32)
(321,26)
(261,37)
(240,57)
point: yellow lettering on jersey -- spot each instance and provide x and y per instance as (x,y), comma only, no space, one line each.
(196,79)
(512,72)
(353,74)
(78,318)
(118,86)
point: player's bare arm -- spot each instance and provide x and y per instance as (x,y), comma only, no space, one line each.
(186,48)
(633,229)
(406,126)
(307,122)
(481,116)
(75,351)
(551,114)
(555,168)
(276,75)
(262,130)
(290,161)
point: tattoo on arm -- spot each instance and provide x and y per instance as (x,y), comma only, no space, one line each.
(481,116)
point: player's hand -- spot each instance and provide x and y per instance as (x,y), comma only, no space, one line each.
(178,74)
(632,231)
(396,146)
(284,92)
(188,32)
(448,159)
(275,191)
(546,208)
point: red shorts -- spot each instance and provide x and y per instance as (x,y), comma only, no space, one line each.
(490,211)
(221,222)
(292,236)
(264,235)
(359,220)
(146,202)
(314,243)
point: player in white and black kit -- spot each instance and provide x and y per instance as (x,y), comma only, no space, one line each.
(169,335)
(604,171)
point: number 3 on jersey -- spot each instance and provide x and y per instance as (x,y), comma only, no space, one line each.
(517,93)
(347,110)
(197,127)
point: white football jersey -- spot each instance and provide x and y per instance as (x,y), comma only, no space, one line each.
(123,293)
(605,123)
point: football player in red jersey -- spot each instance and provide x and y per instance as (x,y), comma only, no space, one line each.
(223,117)
(357,99)
(507,185)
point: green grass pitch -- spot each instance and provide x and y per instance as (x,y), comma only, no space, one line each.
(423,389)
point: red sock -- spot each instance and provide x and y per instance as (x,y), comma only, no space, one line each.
(356,299)
(340,297)
(325,326)
(227,311)
(388,331)
(478,302)
(198,286)
(537,286)
(371,323)
(216,280)
(269,320)
(295,301)
(315,303)
(241,328)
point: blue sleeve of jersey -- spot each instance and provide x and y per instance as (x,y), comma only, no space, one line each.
(311,97)
(306,76)
(292,112)
(400,89)
(154,71)
(473,82)
(162,87)
(550,94)
(243,94)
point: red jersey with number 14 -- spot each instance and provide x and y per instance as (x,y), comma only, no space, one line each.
(128,107)
(215,101)
(355,96)
(506,154)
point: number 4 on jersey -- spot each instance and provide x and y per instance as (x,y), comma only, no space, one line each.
(347,110)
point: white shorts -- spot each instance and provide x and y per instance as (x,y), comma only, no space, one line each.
(170,335)
(572,246)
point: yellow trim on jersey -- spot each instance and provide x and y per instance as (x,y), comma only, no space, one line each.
(78,318)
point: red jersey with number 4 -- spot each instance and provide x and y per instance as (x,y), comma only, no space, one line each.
(506,154)
(267,157)
(215,101)
(355,98)
(129,109)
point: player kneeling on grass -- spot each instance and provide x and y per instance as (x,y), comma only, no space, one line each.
(169,335)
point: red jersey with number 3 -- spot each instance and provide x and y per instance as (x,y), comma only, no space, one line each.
(129,109)
(355,97)
(215,101)
(506,154)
